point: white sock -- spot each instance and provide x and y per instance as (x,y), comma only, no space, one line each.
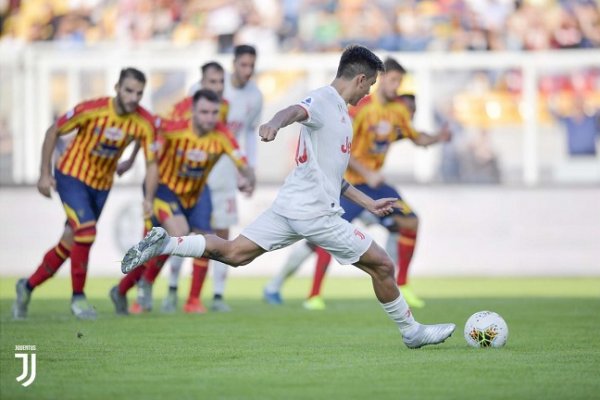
(299,254)
(219,277)
(400,313)
(185,246)
(175,263)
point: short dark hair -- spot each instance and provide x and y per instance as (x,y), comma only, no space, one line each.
(356,60)
(211,65)
(242,49)
(206,94)
(131,72)
(391,64)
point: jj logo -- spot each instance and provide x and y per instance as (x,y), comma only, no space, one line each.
(28,364)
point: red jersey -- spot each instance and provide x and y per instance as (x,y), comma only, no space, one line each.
(102,135)
(186,158)
(376,126)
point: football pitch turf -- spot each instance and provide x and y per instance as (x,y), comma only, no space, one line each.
(349,351)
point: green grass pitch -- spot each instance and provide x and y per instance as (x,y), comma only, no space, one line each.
(349,351)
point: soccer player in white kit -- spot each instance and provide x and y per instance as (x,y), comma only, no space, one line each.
(307,206)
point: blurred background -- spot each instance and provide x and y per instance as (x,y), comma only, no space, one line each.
(516,192)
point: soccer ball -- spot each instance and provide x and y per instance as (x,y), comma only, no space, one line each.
(486,329)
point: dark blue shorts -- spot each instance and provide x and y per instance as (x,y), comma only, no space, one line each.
(82,203)
(353,210)
(167,204)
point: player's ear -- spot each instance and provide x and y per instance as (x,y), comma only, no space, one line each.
(360,80)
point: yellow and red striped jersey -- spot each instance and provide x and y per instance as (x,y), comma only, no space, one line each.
(376,126)
(186,159)
(101,137)
(183,109)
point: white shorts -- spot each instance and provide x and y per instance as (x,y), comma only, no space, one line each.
(339,237)
(224,208)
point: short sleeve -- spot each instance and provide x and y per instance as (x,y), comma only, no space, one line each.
(313,109)
(73,119)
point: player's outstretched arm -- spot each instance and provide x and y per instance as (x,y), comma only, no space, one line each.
(150,185)
(379,207)
(425,139)
(283,118)
(248,181)
(46,181)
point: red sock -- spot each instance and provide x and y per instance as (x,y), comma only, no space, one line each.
(323,259)
(199,270)
(52,261)
(154,266)
(406,248)
(130,280)
(80,254)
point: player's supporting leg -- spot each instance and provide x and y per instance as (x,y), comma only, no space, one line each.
(380,267)
(84,236)
(219,275)
(199,270)
(315,300)
(299,253)
(169,304)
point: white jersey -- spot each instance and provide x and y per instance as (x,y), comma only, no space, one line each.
(245,108)
(313,188)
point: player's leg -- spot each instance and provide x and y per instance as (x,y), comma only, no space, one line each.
(299,253)
(351,246)
(268,232)
(404,223)
(169,304)
(223,216)
(199,219)
(315,300)
(83,206)
(51,262)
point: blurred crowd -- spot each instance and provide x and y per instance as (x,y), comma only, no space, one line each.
(310,25)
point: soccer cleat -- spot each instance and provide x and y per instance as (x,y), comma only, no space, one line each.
(273,298)
(82,309)
(219,305)
(19,309)
(149,247)
(119,301)
(411,298)
(429,334)
(169,304)
(144,297)
(194,306)
(315,303)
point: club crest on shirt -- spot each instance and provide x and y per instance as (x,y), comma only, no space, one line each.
(383,128)
(114,134)
(196,155)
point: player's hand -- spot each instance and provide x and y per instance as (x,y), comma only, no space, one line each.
(383,207)
(124,166)
(147,208)
(374,179)
(46,184)
(247,182)
(445,134)
(267,132)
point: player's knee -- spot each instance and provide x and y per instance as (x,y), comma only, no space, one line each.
(385,269)
(411,223)
(85,234)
